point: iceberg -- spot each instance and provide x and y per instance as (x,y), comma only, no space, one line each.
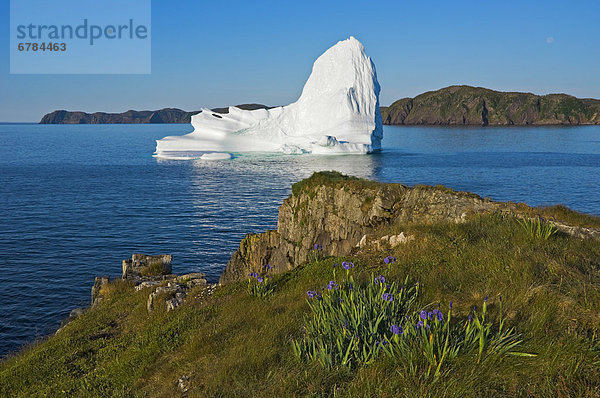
(337,112)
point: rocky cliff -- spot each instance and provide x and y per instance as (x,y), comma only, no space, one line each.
(166,115)
(339,213)
(336,212)
(465,105)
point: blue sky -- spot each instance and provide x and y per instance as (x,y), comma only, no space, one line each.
(208,54)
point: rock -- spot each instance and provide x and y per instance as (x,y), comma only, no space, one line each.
(99,282)
(363,241)
(146,265)
(146,284)
(395,240)
(150,302)
(183,383)
(72,315)
(177,288)
(77,312)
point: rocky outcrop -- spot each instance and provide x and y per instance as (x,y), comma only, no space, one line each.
(330,214)
(165,115)
(466,105)
(173,291)
(151,272)
(146,265)
(99,283)
(336,211)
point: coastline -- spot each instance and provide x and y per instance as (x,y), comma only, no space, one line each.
(456,245)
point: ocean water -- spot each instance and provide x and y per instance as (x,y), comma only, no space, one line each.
(76,200)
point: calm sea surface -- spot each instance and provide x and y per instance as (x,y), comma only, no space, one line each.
(76,200)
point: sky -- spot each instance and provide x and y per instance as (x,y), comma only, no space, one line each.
(211,54)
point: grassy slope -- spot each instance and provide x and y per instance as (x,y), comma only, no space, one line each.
(236,345)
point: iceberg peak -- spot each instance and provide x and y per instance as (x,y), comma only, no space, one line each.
(337,112)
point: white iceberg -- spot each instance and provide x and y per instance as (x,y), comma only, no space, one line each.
(338,112)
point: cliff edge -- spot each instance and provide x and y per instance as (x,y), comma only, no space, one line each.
(338,213)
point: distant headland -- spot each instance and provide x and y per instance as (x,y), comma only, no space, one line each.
(478,106)
(449,106)
(165,115)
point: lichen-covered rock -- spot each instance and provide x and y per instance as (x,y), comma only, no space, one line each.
(174,291)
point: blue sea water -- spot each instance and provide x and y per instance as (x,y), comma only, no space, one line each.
(76,200)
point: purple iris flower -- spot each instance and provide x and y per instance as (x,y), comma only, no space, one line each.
(430,315)
(470,317)
(268,267)
(253,274)
(485,299)
(389,259)
(347,265)
(397,329)
(331,285)
(423,314)
(318,246)
(379,279)
(259,279)
(440,316)
(451,304)
(387,297)
(311,293)
(420,324)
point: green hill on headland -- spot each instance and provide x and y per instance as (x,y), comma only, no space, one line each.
(364,290)
(165,115)
(466,105)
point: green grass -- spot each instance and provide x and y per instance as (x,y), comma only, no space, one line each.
(234,344)
(331,178)
(155,268)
